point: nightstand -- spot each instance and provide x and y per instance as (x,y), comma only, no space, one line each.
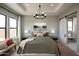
(55,38)
(24,38)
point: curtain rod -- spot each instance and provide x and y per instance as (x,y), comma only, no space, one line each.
(69,15)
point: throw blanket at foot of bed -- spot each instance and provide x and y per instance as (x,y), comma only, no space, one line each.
(22,44)
(40,45)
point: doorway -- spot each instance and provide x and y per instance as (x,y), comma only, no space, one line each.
(72,29)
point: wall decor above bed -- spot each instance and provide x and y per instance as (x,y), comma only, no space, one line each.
(35,26)
(40,27)
(44,26)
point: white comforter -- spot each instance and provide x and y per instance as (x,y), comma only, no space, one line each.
(22,44)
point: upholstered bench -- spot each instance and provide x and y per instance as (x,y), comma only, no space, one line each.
(3,51)
(6,46)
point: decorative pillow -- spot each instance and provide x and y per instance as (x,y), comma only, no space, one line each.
(9,41)
(34,34)
(45,34)
(3,45)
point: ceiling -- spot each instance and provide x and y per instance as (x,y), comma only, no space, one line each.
(31,8)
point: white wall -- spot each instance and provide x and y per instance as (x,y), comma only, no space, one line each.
(63,30)
(19,29)
(28,21)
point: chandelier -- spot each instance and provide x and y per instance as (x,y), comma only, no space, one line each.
(40,14)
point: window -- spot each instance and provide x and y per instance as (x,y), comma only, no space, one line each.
(70,25)
(2,27)
(12,27)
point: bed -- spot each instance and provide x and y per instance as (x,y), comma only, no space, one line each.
(39,46)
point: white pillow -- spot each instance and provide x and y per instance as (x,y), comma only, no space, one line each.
(22,44)
(39,34)
(3,45)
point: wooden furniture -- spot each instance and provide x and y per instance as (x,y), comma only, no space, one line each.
(71,39)
(55,38)
(24,38)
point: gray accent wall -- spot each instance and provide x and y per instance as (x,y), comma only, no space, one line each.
(28,22)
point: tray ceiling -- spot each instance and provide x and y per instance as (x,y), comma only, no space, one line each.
(31,8)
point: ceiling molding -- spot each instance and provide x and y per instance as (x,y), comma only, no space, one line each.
(21,6)
(22,9)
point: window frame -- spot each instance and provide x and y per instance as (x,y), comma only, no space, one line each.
(69,32)
(72,25)
(5,25)
(12,27)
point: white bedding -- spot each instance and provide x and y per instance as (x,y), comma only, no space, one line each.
(22,44)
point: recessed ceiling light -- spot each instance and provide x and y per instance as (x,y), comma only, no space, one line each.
(27,5)
(52,4)
(42,12)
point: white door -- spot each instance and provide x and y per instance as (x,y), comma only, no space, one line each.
(63,30)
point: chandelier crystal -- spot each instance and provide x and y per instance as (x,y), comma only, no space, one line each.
(40,14)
